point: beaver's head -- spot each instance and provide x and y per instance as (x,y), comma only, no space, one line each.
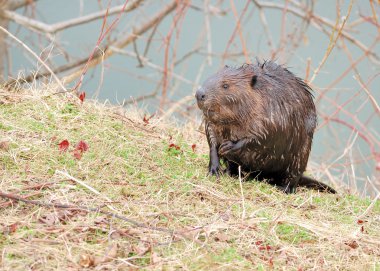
(229,95)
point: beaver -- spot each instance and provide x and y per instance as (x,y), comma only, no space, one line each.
(261,117)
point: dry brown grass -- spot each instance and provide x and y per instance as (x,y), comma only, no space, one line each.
(187,220)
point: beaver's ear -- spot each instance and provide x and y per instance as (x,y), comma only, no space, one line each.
(253,81)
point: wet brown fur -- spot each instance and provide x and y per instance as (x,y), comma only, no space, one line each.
(260,117)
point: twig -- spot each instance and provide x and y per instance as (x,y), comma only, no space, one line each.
(332,42)
(236,30)
(266,27)
(137,54)
(318,20)
(67,175)
(167,39)
(242,195)
(36,56)
(102,35)
(150,38)
(124,42)
(9,203)
(54,28)
(16,4)
(147,63)
(86,209)
(208,31)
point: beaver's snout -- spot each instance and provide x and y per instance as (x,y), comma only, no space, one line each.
(200,95)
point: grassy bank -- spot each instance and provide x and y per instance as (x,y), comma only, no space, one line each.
(119,192)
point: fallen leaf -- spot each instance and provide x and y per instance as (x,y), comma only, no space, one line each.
(147,119)
(10,229)
(82,95)
(13,227)
(91,261)
(57,217)
(81,146)
(49,219)
(174,146)
(193,147)
(352,244)
(109,256)
(86,260)
(141,248)
(265,247)
(222,237)
(64,145)
(77,154)
(4,145)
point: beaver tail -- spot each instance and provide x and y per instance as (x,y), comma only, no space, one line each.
(309,182)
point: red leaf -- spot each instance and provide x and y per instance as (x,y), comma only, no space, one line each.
(13,227)
(64,145)
(82,95)
(172,145)
(352,244)
(147,119)
(81,146)
(265,247)
(360,221)
(362,228)
(77,154)
(193,147)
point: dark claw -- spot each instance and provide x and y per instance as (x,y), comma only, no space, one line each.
(226,147)
(214,171)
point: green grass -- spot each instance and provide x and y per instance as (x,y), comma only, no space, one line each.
(218,225)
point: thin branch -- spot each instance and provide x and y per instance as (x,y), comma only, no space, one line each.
(83,208)
(318,19)
(332,42)
(36,56)
(145,61)
(16,4)
(54,28)
(97,58)
(93,190)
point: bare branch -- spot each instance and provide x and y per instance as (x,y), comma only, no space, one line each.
(53,28)
(16,4)
(147,63)
(103,52)
(318,19)
(124,42)
(36,56)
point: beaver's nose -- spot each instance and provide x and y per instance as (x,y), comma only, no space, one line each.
(200,94)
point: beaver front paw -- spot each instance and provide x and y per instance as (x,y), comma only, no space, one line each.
(229,147)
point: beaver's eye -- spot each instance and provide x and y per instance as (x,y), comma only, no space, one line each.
(225,86)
